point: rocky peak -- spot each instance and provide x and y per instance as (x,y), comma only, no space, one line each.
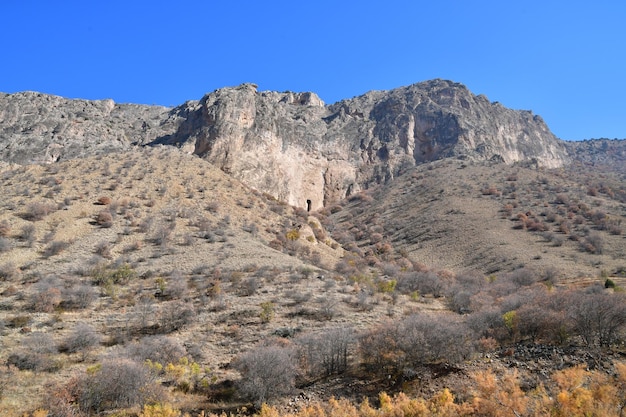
(290,145)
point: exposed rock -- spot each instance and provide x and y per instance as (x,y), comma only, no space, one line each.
(36,128)
(289,145)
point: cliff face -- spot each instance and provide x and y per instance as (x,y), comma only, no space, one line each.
(288,144)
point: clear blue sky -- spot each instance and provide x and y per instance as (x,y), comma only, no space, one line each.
(565,60)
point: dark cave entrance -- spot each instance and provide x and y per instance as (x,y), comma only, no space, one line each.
(308,205)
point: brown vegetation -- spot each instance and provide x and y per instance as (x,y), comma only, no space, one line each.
(189,293)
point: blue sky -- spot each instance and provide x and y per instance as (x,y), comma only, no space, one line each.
(564,60)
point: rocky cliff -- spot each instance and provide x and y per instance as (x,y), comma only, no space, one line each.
(290,145)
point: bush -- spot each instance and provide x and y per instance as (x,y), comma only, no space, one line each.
(54,248)
(158,349)
(78,296)
(82,339)
(326,353)
(28,234)
(104,219)
(174,315)
(103,201)
(34,353)
(37,211)
(5,244)
(599,318)
(5,228)
(118,383)
(46,295)
(267,372)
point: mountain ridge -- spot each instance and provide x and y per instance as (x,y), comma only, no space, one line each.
(289,145)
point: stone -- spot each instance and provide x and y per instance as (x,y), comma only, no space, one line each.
(289,145)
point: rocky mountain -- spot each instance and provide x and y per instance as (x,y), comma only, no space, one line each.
(289,145)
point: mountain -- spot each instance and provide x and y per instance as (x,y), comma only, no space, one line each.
(150,255)
(289,145)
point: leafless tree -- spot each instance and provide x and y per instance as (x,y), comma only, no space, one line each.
(267,372)
(326,353)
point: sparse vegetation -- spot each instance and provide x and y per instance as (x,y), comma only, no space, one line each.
(176,298)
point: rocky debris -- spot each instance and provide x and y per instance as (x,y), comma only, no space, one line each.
(289,145)
(41,128)
(545,359)
(607,152)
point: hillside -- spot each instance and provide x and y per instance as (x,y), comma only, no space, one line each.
(289,145)
(169,257)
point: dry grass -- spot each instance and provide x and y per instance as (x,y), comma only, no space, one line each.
(160,232)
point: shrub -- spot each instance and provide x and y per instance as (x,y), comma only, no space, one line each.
(37,211)
(158,349)
(103,201)
(82,338)
(267,312)
(28,234)
(293,234)
(174,315)
(5,228)
(104,219)
(78,296)
(103,249)
(5,245)
(267,372)
(8,271)
(46,295)
(117,383)
(598,318)
(326,353)
(594,243)
(34,353)
(54,248)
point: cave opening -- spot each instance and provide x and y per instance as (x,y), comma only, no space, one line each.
(308,205)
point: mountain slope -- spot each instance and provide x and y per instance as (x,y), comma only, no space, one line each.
(289,145)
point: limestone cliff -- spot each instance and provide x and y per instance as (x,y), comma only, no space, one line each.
(290,145)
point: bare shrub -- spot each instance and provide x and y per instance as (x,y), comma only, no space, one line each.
(5,244)
(594,243)
(174,315)
(81,340)
(103,249)
(28,234)
(427,339)
(598,317)
(118,383)
(104,219)
(162,235)
(5,228)
(8,271)
(37,211)
(78,296)
(267,372)
(159,349)
(423,282)
(144,311)
(46,295)
(488,323)
(326,353)
(176,286)
(522,277)
(249,286)
(54,248)
(34,353)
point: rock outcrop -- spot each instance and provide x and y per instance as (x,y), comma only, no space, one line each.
(290,145)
